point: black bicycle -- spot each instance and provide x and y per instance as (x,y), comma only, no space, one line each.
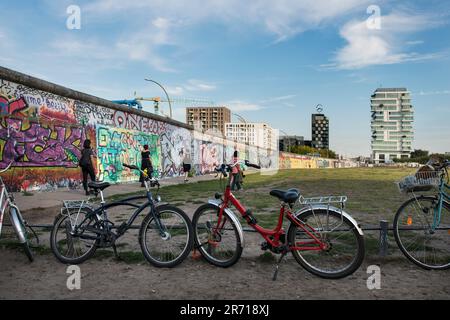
(165,236)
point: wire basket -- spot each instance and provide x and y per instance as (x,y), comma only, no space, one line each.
(421,181)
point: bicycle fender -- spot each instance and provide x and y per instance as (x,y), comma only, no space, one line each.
(233,217)
(333,209)
(13,212)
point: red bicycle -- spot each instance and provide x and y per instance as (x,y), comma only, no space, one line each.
(323,238)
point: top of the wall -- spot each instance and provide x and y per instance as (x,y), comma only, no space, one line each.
(29,81)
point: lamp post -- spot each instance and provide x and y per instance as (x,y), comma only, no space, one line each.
(246,129)
(167,95)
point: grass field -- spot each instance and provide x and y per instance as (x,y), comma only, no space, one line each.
(372,192)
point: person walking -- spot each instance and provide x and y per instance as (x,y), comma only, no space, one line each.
(187,165)
(86,164)
(236,172)
(146,163)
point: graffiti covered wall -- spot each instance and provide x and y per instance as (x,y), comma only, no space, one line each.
(45,132)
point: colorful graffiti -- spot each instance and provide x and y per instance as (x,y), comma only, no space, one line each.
(208,156)
(39,145)
(116,146)
(175,144)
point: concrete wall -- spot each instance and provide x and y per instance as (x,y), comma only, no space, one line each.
(47,124)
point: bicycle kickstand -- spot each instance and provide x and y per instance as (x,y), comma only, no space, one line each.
(277,266)
(115,251)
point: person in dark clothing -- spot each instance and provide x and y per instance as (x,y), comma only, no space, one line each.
(146,164)
(86,164)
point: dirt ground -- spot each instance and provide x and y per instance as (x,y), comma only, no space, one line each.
(251,278)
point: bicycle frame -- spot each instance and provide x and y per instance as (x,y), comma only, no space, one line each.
(444,196)
(271,236)
(100,212)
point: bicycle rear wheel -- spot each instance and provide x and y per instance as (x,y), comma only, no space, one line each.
(345,246)
(74,246)
(423,244)
(219,245)
(170,249)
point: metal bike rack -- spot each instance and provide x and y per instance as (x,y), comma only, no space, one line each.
(383,230)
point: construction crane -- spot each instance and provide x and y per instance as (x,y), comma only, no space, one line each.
(136,102)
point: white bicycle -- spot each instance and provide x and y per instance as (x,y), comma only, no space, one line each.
(8,204)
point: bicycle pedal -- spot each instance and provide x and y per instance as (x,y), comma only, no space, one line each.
(265,246)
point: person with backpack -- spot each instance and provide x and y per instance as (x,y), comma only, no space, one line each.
(86,164)
(146,163)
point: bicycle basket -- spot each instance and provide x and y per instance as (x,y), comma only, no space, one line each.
(421,181)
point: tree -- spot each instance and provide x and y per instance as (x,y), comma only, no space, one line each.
(305,150)
(418,153)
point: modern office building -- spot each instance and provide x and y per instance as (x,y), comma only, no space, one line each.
(392,124)
(208,118)
(286,142)
(320,131)
(256,134)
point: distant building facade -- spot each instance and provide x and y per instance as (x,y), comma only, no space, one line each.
(320,131)
(257,134)
(286,142)
(208,118)
(392,124)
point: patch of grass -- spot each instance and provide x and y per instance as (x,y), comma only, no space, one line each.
(129,257)
(267,257)
(27,194)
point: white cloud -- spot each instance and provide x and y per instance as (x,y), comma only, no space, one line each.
(238,105)
(433,93)
(175,91)
(142,45)
(281,98)
(191,85)
(281,18)
(368,46)
(197,85)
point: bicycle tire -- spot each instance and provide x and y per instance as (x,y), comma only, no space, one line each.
(302,256)
(150,250)
(399,238)
(54,246)
(203,247)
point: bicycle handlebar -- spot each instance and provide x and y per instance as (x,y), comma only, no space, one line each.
(153,181)
(227,167)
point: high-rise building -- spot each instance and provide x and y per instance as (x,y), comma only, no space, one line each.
(208,118)
(286,142)
(256,134)
(320,131)
(392,124)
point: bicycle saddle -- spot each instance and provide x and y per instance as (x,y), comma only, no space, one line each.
(99,185)
(289,196)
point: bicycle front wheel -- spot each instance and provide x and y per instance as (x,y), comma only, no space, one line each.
(22,232)
(420,235)
(218,243)
(167,245)
(344,250)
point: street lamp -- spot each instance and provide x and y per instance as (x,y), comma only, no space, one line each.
(167,95)
(246,128)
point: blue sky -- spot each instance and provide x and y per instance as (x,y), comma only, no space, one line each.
(269,61)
